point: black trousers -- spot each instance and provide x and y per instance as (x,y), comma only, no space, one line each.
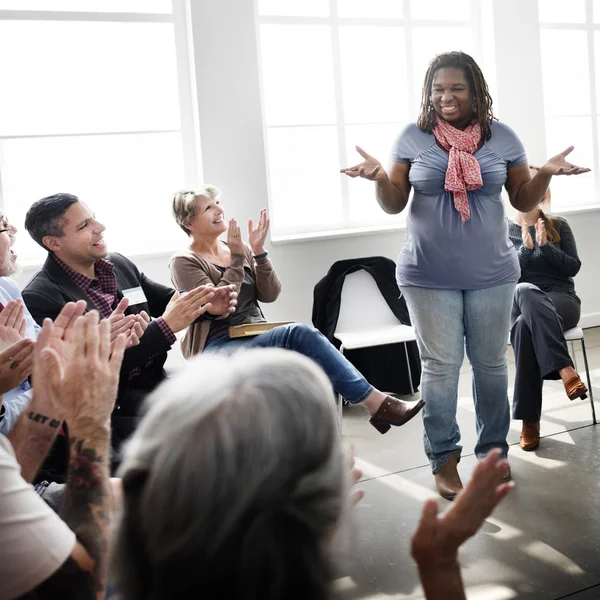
(539,320)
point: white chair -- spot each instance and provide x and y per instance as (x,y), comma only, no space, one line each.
(571,336)
(366,320)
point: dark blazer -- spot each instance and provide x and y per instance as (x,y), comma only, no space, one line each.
(51,288)
(383,366)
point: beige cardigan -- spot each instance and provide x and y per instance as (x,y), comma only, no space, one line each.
(189,270)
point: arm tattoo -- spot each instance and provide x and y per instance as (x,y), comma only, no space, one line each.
(39,418)
(86,504)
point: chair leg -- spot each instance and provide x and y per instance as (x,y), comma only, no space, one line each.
(340,399)
(574,356)
(589,381)
(412,389)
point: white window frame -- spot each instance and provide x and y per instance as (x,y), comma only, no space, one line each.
(189,129)
(345,228)
(591,29)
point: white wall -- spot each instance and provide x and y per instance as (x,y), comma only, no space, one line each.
(226,63)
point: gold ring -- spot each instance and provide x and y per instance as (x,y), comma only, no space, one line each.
(14,364)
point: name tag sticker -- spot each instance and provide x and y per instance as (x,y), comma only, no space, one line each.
(135,296)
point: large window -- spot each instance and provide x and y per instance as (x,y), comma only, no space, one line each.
(98,104)
(570,49)
(341,73)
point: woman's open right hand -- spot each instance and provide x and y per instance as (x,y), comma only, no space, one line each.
(526,236)
(370,168)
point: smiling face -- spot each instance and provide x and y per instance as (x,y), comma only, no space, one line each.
(8,259)
(82,241)
(452,97)
(209,221)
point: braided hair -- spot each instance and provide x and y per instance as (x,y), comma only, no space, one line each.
(482,101)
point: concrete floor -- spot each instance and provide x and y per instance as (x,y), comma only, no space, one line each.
(543,542)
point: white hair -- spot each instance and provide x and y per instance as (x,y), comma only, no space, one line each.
(233,482)
(183,203)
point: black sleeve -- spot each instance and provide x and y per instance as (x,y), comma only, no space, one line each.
(157,295)
(42,304)
(152,343)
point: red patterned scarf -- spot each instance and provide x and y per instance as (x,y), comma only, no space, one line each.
(464,172)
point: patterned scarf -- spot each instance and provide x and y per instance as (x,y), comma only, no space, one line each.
(464,172)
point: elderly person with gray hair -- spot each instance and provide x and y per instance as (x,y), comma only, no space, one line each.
(208,260)
(236,482)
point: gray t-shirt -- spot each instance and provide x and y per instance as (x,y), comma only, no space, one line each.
(440,251)
(246,311)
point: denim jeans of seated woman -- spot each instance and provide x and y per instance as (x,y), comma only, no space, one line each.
(447,322)
(345,378)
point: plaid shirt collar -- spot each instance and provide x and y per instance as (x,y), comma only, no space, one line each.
(103,268)
(105,276)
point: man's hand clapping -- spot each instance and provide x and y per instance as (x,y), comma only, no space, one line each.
(184,310)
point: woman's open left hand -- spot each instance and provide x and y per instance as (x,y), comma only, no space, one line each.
(557,165)
(257,236)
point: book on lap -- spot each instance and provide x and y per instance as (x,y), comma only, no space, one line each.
(249,329)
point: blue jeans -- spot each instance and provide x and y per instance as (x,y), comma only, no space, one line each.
(447,321)
(344,377)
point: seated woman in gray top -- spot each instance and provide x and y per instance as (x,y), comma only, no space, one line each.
(545,304)
(210,260)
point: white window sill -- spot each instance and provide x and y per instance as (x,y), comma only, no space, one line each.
(576,210)
(28,265)
(361,231)
(335,234)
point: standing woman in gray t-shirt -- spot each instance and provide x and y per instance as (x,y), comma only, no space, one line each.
(457,268)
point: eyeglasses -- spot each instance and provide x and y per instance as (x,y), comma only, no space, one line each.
(6,230)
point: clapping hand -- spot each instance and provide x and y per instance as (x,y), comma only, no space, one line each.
(557,165)
(184,310)
(16,351)
(436,541)
(370,168)
(224,300)
(133,326)
(355,475)
(541,236)
(257,236)
(84,377)
(53,335)
(234,238)
(526,236)
(12,324)
(16,363)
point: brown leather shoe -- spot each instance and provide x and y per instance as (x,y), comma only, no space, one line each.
(447,479)
(530,435)
(394,412)
(575,388)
